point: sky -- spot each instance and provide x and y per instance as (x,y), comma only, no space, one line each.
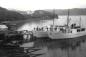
(26,5)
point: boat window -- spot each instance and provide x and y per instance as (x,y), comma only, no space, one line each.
(80,29)
(83,29)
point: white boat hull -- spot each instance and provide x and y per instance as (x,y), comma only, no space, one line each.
(59,35)
(40,34)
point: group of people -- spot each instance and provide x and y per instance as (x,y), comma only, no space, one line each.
(41,28)
(55,28)
(46,28)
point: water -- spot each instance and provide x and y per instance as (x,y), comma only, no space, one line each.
(58,48)
(62,20)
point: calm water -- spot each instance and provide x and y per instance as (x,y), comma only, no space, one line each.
(58,48)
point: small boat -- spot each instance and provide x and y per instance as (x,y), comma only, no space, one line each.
(43,31)
(40,32)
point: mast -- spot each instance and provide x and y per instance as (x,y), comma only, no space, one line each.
(80,21)
(53,16)
(68,19)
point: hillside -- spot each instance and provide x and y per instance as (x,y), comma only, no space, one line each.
(8,15)
(44,14)
(75,11)
(13,15)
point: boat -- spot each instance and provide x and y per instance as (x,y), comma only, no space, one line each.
(67,31)
(74,33)
(40,32)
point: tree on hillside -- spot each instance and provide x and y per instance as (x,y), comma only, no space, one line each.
(44,14)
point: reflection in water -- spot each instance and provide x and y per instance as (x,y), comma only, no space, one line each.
(59,48)
(53,44)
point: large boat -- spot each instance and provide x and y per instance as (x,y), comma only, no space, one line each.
(67,31)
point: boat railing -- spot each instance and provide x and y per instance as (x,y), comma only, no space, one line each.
(62,29)
(47,29)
